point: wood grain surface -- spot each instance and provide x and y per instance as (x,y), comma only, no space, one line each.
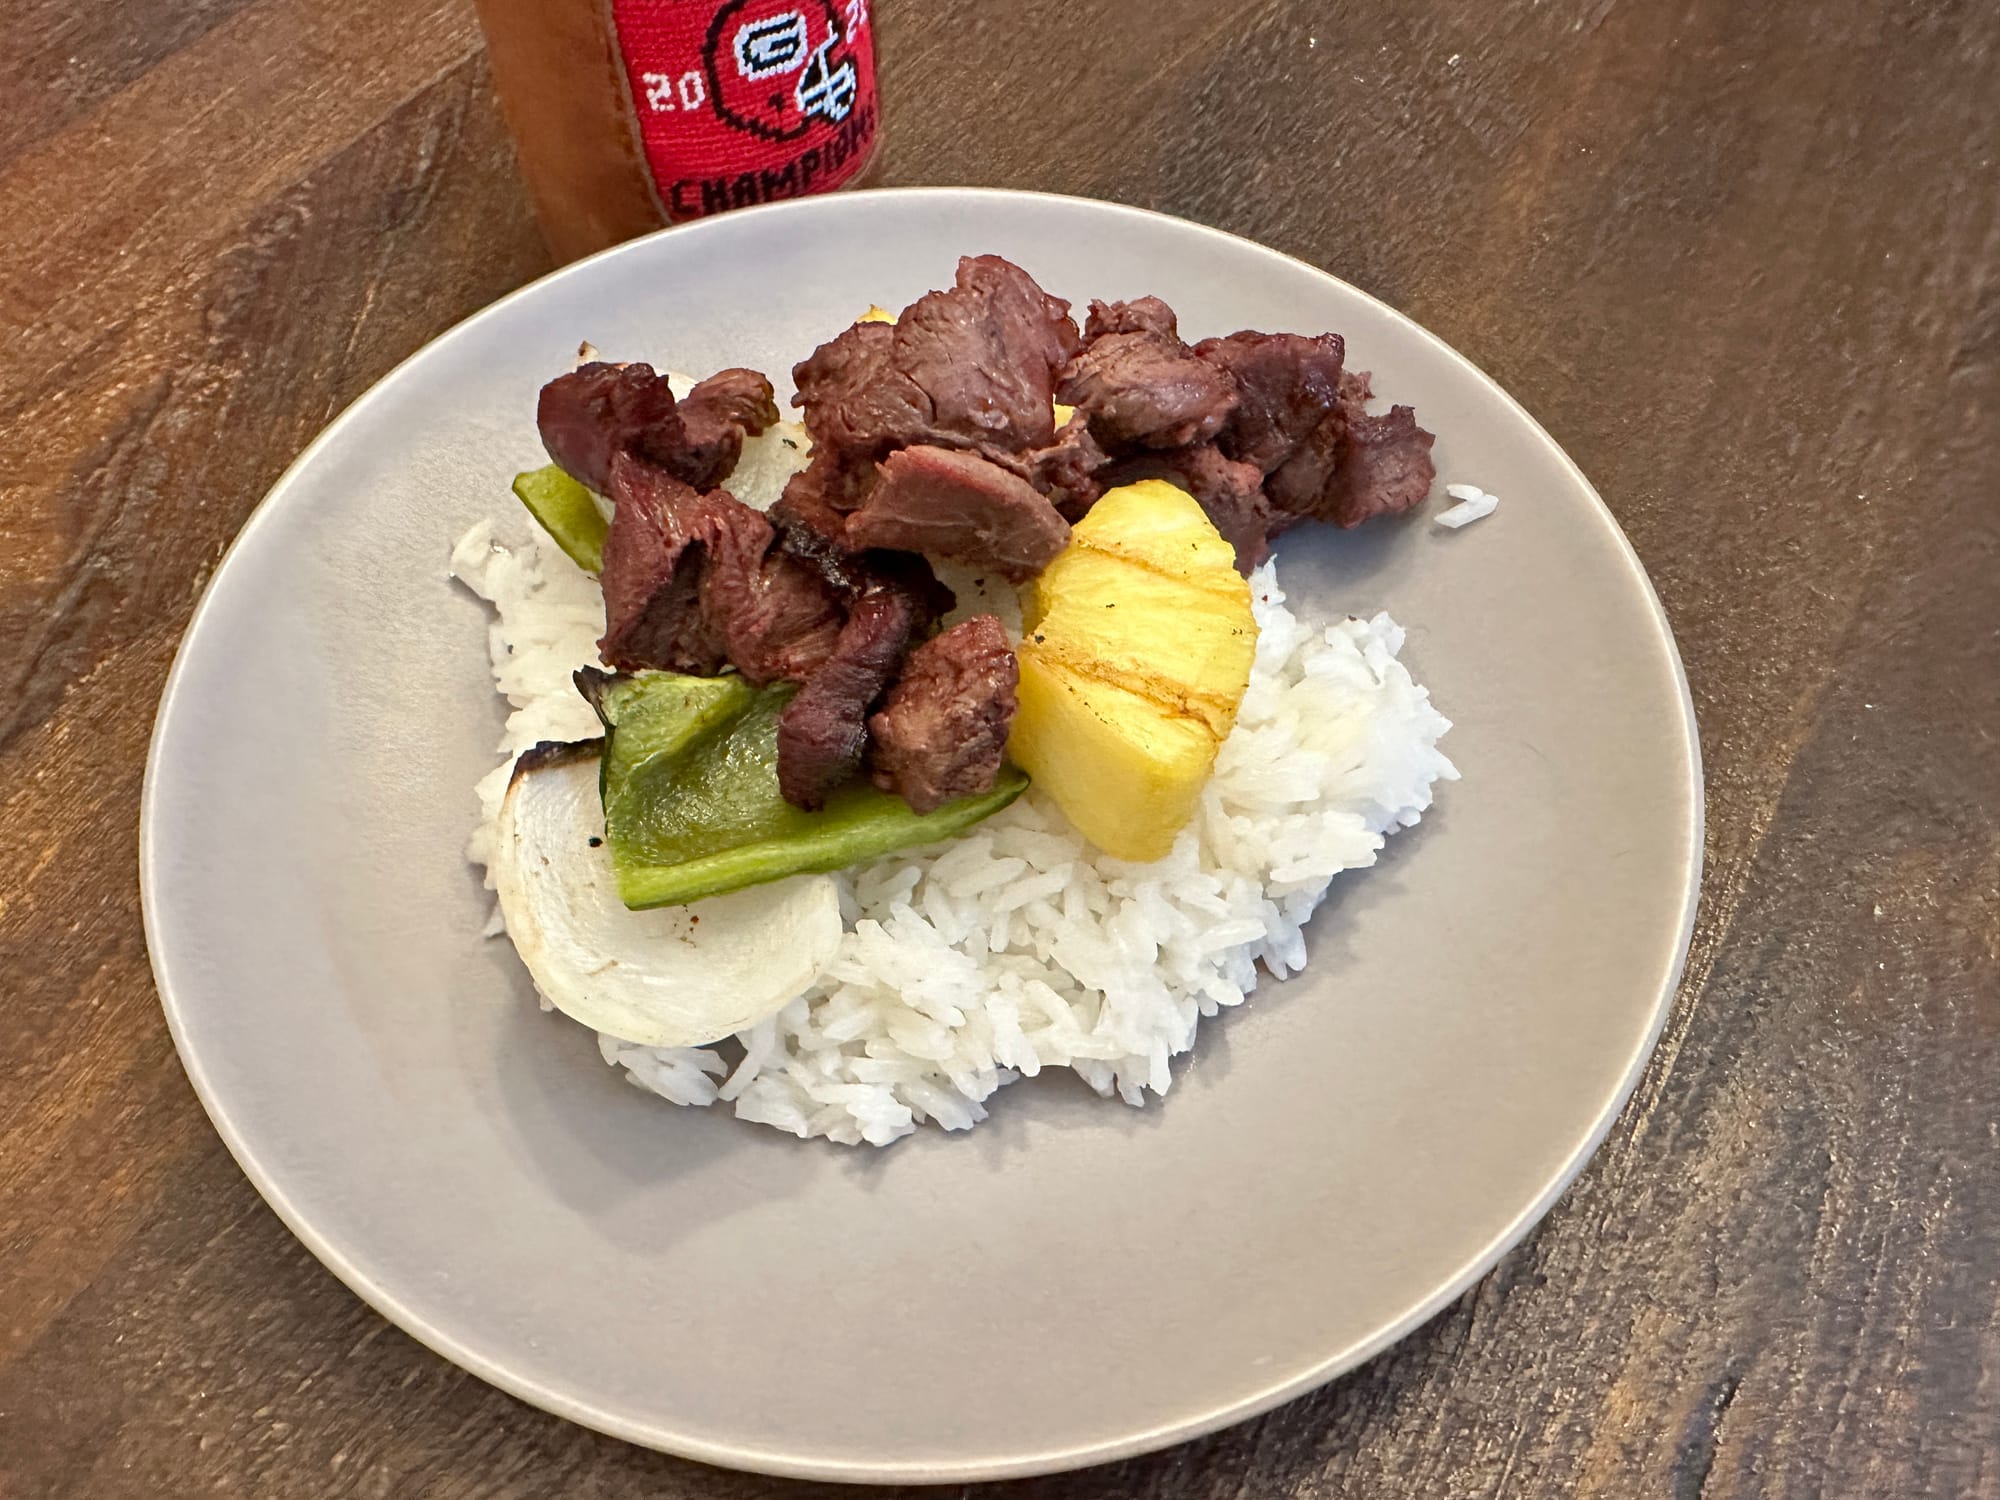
(1743,260)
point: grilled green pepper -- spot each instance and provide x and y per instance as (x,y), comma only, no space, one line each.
(568,512)
(689,780)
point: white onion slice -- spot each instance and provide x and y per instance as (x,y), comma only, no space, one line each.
(678,976)
(769,459)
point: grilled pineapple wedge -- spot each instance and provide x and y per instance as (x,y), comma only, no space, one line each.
(1137,649)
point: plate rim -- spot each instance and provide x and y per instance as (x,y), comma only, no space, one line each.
(783,1464)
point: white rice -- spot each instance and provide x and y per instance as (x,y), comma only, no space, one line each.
(1018,947)
(1474,504)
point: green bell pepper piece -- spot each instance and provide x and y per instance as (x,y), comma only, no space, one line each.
(568,512)
(658,715)
(691,800)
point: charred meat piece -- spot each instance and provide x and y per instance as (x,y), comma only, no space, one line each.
(987,353)
(1286,384)
(654,557)
(1142,315)
(852,398)
(743,398)
(823,731)
(959,507)
(598,411)
(1145,388)
(971,367)
(776,614)
(1353,465)
(1385,466)
(715,417)
(1304,484)
(1067,470)
(812,513)
(693,583)
(942,730)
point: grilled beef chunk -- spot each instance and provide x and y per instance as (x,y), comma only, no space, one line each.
(777,614)
(1303,482)
(600,410)
(945,503)
(1291,413)
(654,557)
(740,397)
(1286,385)
(1140,386)
(988,352)
(692,583)
(716,416)
(843,386)
(971,367)
(812,513)
(942,730)
(1385,466)
(1067,470)
(961,508)
(1143,315)
(1303,421)
(597,411)
(823,731)
(1353,465)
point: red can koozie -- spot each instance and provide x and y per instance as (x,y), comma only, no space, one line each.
(747,101)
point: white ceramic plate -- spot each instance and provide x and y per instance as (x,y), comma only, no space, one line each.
(1075,1280)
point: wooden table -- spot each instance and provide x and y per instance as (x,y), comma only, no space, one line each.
(1743,261)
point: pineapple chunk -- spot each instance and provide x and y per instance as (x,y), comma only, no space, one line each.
(1125,773)
(1157,525)
(1137,650)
